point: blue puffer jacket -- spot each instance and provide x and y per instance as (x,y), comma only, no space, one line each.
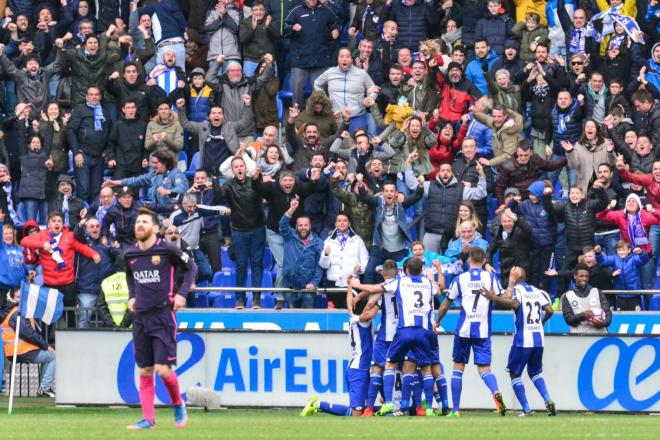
(173,180)
(496,29)
(484,136)
(630,267)
(12,264)
(544,227)
(89,274)
(475,74)
(413,21)
(301,261)
(199,103)
(312,46)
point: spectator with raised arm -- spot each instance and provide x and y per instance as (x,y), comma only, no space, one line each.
(302,250)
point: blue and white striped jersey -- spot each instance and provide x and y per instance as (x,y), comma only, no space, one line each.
(389,313)
(529,330)
(414,301)
(361,335)
(475,316)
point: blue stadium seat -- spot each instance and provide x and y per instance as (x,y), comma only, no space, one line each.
(267,299)
(268,260)
(280,109)
(223,300)
(285,92)
(194,165)
(654,303)
(227,263)
(321,301)
(199,298)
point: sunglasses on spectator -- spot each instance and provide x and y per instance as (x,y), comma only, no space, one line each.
(577,63)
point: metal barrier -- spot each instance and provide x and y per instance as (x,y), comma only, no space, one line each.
(631,292)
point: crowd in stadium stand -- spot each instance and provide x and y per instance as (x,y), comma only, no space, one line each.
(295,143)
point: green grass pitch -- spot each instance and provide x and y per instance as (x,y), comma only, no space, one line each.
(39,419)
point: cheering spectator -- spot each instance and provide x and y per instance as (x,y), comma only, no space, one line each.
(344,254)
(258,35)
(302,250)
(443,196)
(507,127)
(522,170)
(311,29)
(218,138)
(512,242)
(235,88)
(164,131)
(118,223)
(484,60)
(626,273)
(248,229)
(66,202)
(495,27)
(57,250)
(579,214)
(164,181)
(89,274)
(544,233)
(468,238)
(88,133)
(126,154)
(222,23)
(13,270)
(588,153)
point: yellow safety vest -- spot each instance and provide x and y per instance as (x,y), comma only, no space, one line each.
(115,292)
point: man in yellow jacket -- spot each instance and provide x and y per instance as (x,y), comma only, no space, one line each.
(32,347)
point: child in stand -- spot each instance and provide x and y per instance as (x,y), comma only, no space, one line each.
(627,276)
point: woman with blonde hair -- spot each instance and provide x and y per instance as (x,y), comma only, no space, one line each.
(466,212)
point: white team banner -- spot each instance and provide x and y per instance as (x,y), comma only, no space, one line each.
(594,373)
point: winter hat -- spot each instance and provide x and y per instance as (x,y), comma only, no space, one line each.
(512,43)
(637,199)
(536,189)
(512,190)
(454,65)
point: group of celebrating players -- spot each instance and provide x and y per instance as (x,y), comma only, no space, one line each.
(407,340)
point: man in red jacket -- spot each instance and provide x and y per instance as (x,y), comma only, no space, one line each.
(57,248)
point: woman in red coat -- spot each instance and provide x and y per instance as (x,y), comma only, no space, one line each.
(444,150)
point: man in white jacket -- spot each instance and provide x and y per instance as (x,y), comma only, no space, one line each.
(344,254)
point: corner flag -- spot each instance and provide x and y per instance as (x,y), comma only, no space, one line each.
(42,303)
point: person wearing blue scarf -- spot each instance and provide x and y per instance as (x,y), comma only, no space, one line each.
(88,132)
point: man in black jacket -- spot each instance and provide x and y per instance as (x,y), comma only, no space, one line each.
(248,231)
(126,153)
(88,132)
(392,89)
(579,214)
(465,169)
(131,86)
(66,202)
(279,195)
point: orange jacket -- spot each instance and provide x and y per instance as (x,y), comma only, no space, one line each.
(9,337)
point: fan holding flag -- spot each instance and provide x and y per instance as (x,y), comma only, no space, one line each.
(58,247)
(21,332)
